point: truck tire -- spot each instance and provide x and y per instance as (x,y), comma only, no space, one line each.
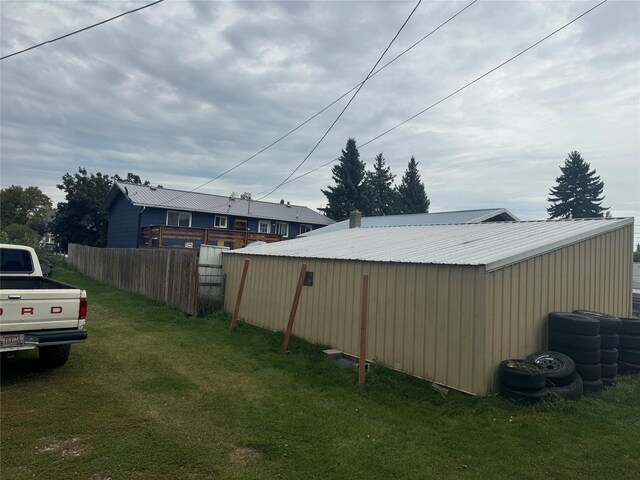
(630,326)
(629,356)
(573,323)
(608,356)
(609,340)
(54,356)
(521,375)
(573,391)
(625,368)
(587,357)
(559,369)
(592,386)
(608,323)
(629,342)
(571,340)
(589,372)
(528,396)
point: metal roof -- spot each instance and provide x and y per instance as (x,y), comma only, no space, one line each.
(150,196)
(461,216)
(494,245)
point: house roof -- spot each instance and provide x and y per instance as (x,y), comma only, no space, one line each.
(158,197)
(494,245)
(461,216)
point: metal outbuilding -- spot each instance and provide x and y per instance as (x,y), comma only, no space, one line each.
(446,302)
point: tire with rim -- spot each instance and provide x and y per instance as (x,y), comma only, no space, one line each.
(573,323)
(54,356)
(630,326)
(608,323)
(559,369)
(587,357)
(521,375)
(571,340)
(609,370)
(609,340)
(592,386)
(608,355)
(572,391)
(629,356)
(528,396)
(589,372)
(629,342)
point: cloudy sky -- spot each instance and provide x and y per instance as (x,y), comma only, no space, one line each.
(182,91)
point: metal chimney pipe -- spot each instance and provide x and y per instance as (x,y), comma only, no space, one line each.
(355,219)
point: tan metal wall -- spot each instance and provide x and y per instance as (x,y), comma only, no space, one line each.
(594,274)
(426,320)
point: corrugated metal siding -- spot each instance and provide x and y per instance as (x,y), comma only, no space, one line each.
(594,274)
(426,320)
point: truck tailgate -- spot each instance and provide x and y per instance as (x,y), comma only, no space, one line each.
(22,310)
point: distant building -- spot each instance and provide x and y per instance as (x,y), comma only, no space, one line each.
(148,216)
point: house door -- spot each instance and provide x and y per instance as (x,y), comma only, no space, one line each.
(240,225)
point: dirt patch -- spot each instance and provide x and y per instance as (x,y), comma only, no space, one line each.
(245,456)
(73,447)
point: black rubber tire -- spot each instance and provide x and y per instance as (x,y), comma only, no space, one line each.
(625,368)
(573,323)
(528,396)
(609,340)
(571,340)
(521,375)
(559,369)
(609,370)
(629,356)
(609,382)
(608,323)
(54,356)
(592,386)
(573,391)
(589,372)
(587,357)
(608,355)
(630,326)
(629,342)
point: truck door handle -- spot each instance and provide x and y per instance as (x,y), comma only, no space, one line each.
(15,297)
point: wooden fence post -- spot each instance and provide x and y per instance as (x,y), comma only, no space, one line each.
(364,310)
(294,308)
(234,318)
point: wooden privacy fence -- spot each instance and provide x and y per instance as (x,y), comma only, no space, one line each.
(166,275)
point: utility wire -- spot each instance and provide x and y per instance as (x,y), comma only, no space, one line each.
(347,105)
(324,109)
(448,96)
(82,29)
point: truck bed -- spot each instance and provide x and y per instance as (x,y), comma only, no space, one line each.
(31,283)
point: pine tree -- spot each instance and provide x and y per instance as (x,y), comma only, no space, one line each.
(382,197)
(412,195)
(348,193)
(578,193)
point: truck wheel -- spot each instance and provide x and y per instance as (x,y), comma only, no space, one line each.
(54,356)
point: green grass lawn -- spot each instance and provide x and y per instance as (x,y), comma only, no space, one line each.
(157,395)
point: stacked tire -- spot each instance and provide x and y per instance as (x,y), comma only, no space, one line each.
(610,328)
(522,380)
(560,371)
(578,337)
(629,346)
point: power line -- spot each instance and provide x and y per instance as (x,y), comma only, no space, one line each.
(82,29)
(450,95)
(325,108)
(347,105)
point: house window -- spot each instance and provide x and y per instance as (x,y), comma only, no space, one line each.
(305,228)
(264,226)
(282,228)
(220,222)
(178,219)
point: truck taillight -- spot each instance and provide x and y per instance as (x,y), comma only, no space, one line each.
(82,311)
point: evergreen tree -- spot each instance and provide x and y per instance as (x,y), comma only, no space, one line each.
(348,193)
(382,197)
(412,195)
(578,193)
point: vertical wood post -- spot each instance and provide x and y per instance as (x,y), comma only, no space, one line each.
(294,308)
(234,318)
(364,311)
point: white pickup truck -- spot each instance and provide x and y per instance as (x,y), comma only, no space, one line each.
(37,312)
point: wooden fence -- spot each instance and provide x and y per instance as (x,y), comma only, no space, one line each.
(166,275)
